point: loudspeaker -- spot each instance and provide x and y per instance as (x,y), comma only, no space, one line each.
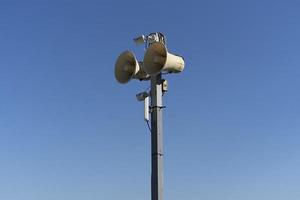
(157,59)
(127,67)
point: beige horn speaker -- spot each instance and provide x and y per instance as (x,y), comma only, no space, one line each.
(127,67)
(157,59)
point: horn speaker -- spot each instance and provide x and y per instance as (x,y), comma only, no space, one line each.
(127,67)
(157,59)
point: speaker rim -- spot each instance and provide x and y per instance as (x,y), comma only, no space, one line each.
(117,70)
(150,48)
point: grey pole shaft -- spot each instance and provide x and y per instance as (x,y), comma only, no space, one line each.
(156,139)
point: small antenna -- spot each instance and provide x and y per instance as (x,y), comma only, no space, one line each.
(149,39)
(140,40)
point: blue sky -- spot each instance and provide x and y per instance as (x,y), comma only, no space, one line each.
(69,131)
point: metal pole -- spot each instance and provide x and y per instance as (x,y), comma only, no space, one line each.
(156,138)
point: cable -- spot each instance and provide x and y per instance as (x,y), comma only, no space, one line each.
(148,126)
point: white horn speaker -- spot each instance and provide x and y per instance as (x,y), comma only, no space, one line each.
(127,67)
(157,59)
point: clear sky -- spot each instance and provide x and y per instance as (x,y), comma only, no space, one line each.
(69,131)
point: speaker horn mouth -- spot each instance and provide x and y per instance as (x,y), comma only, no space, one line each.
(155,58)
(126,67)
